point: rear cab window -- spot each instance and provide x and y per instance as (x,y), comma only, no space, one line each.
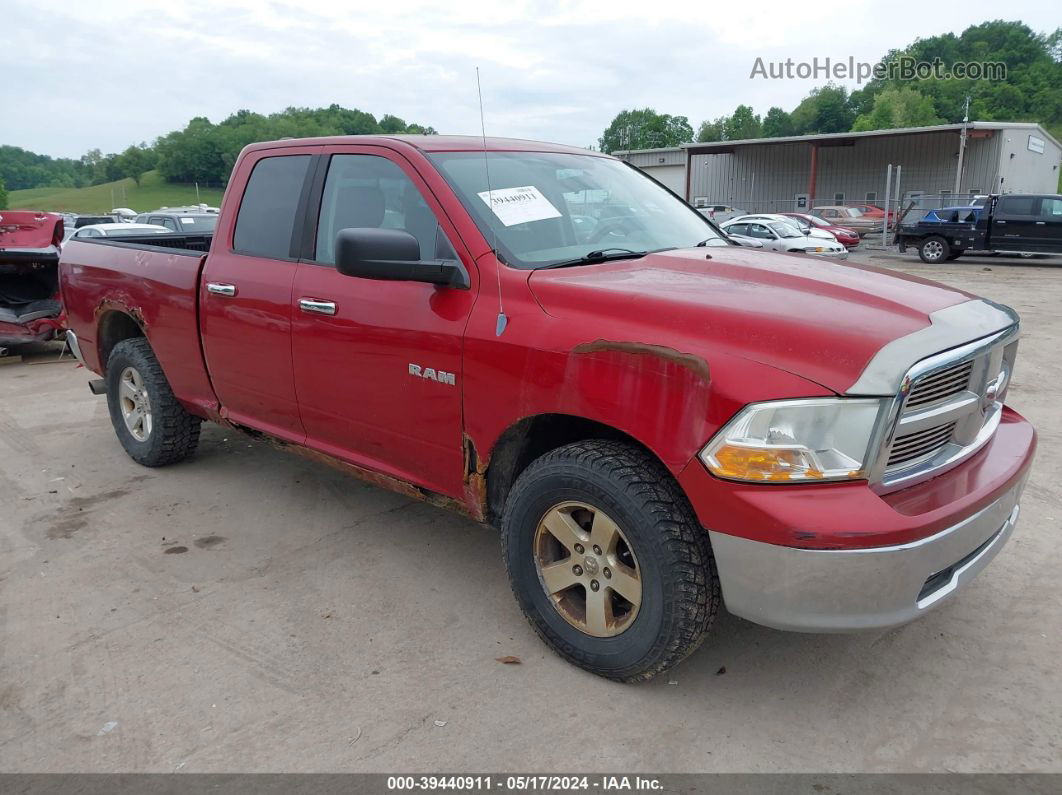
(268,210)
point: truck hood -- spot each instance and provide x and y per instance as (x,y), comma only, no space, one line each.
(817,319)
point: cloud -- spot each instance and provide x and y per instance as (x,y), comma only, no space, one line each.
(107,74)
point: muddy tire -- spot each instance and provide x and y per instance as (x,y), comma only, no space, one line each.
(607,560)
(934,249)
(151,424)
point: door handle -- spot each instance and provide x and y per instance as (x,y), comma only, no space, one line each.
(1041,223)
(216,288)
(317,307)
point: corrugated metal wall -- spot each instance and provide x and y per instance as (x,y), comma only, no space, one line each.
(1028,171)
(658,157)
(770,176)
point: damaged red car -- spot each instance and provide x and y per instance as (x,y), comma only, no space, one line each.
(30,310)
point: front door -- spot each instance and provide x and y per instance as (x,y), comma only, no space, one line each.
(245,295)
(378,363)
(1014,224)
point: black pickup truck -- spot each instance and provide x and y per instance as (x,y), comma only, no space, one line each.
(1009,223)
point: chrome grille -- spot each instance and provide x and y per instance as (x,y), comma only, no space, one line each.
(913,446)
(951,408)
(940,386)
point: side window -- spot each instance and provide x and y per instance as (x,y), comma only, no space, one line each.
(760,231)
(738,229)
(368,191)
(169,223)
(1051,209)
(1020,205)
(266,219)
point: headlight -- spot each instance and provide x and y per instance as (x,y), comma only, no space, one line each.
(795,440)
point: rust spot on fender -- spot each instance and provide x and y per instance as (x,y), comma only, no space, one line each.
(475,477)
(694,364)
(123,304)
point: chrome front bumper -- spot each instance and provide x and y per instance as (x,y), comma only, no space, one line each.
(849,590)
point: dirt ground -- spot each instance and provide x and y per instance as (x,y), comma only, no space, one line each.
(248,610)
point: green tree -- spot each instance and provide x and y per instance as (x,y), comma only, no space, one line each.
(825,110)
(645,129)
(899,107)
(133,162)
(711,130)
(1031,90)
(3,195)
(742,124)
(777,123)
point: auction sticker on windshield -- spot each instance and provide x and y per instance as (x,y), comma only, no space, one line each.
(519,205)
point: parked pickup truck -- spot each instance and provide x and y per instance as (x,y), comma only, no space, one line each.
(29,276)
(655,419)
(1009,223)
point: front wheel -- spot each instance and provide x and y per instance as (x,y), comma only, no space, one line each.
(607,560)
(151,424)
(934,249)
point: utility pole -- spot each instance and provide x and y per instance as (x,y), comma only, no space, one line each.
(962,145)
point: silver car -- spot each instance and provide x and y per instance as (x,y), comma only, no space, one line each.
(785,236)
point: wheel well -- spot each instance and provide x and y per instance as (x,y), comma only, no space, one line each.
(532,437)
(113,328)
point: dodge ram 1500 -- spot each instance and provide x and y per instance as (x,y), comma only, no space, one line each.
(544,338)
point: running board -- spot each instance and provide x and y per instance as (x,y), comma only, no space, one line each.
(98,387)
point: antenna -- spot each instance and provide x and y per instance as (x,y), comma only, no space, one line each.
(503,319)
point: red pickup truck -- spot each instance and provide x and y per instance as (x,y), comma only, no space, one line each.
(546,339)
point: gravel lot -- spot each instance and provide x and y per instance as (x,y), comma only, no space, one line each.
(250,610)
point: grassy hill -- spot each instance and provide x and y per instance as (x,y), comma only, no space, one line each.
(153,193)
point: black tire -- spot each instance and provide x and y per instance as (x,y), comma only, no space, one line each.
(680,588)
(174,433)
(934,249)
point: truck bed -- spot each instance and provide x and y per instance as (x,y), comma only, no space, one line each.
(153,278)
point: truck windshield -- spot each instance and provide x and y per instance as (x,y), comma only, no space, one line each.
(547,208)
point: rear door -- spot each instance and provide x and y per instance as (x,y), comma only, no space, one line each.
(245,292)
(1014,224)
(378,363)
(1050,224)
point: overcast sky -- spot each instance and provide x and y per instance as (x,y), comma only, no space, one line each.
(79,75)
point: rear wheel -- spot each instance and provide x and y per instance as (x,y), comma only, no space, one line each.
(151,424)
(934,249)
(608,561)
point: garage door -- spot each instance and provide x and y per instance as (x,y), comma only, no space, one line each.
(672,176)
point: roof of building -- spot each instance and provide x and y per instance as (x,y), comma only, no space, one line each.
(710,147)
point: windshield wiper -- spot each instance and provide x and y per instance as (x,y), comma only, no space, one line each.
(601,255)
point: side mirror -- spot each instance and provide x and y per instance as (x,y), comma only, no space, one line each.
(392,255)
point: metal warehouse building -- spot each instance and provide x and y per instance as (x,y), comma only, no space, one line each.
(782,174)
